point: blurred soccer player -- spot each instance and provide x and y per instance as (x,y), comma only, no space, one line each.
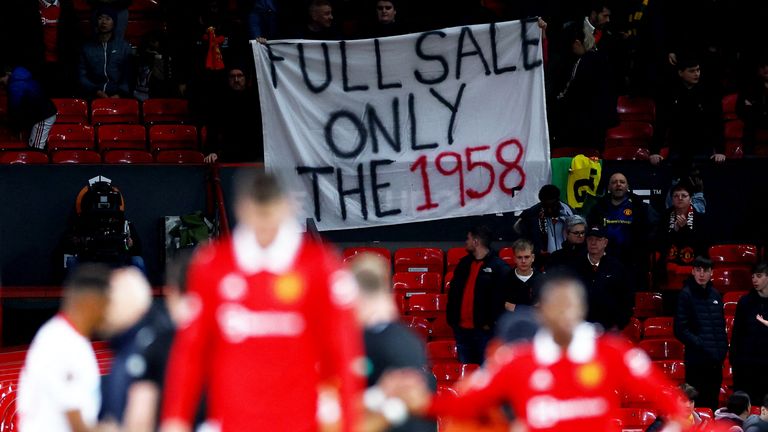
(274,322)
(566,380)
(59,385)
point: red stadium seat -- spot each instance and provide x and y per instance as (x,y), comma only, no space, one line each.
(673,369)
(165,110)
(350,252)
(648,304)
(635,400)
(442,351)
(729,326)
(440,330)
(418,325)
(745,254)
(632,134)
(450,372)
(634,330)
(729,106)
(12,143)
(71,111)
(636,109)
(419,260)
(23,157)
(626,153)
(172,137)
(507,255)
(180,157)
(128,157)
(71,137)
(417,283)
(121,137)
(727,373)
(110,110)
(402,303)
(734,130)
(636,418)
(726,279)
(730,299)
(663,349)
(75,157)
(559,152)
(454,256)
(676,275)
(658,327)
(447,283)
(427,305)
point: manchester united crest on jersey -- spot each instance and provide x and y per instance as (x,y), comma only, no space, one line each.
(591,374)
(289,288)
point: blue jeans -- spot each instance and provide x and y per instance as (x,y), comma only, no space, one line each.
(471,344)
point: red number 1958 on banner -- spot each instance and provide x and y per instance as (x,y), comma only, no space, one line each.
(453,163)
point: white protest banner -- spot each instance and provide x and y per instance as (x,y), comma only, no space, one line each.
(418,127)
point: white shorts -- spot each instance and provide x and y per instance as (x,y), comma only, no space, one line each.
(38,137)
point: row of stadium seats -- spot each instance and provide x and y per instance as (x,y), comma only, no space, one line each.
(117,137)
(101,111)
(109,157)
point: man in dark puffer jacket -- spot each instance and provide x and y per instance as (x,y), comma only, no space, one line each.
(700,326)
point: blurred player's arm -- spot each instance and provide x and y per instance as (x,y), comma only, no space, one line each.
(76,423)
(189,362)
(343,341)
(487,391)
(141,408)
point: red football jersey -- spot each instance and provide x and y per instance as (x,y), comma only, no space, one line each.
(271,326)
(572,391)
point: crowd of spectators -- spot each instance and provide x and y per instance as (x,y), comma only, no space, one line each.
(686,55)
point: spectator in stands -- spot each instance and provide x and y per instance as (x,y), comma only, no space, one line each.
(735,412)
(121,13)
(234,130)
(106,63)
(688,120)
(132,323)
(693,178)
(206,46)
(155,72)
(59,384)
(628,223)
(389,345)
(752,106)
(476,296)
(386,20)
(574,248)
(320,24)
(61,42)
(260,18)
(694,419)
(543,223)
(523,285)
(547,381)
(681,231)
(758,423)
(273,326)
(749,350)
(596,23)
(700,325)
(585,105)
(610,288)
(30,112)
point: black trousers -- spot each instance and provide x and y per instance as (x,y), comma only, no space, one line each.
(706,378)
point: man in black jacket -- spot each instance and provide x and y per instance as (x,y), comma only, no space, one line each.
(523,289)
(610,289)
(700,325)
(749,350)
(627,223)
(476,296)
(574,247)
